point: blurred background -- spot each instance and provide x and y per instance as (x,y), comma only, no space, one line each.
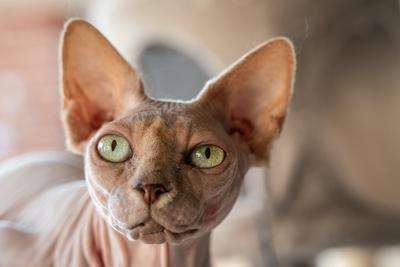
(341,139)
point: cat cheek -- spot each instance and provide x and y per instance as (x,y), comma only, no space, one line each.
(211,213)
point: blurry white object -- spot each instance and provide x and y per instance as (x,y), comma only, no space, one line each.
(232,262)
(206,30)
(388,257)
(344,257)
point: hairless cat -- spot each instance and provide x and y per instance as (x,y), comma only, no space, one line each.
(159,174)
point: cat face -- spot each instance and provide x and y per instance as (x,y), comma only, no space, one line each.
(182,199)
(168,171)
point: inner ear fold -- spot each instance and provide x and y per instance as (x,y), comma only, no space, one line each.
(252,96)
(97,83)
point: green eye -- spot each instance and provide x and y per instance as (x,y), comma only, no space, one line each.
(114,148)
(207,156)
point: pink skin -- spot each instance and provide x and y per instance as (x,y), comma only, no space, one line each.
(211,213)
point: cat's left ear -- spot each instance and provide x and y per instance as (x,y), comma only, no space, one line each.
(251,97)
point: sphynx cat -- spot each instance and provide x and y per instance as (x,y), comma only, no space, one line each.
(159,175)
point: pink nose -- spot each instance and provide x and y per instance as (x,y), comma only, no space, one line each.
(151,192)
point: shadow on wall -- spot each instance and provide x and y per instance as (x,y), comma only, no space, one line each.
(170,74)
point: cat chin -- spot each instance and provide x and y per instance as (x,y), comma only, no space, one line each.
(177,238)
(153,233)
(161,237)
(157,238)
(153,238)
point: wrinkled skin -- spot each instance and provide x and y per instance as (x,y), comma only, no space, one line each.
(241,111)
(197,199)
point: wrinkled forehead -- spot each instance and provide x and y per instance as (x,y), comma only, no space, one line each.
(154,123)
(168,116)
(167,122)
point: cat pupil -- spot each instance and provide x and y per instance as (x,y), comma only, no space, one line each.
(113,145)
(208,152)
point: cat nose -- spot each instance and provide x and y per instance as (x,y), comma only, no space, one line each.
(151,192)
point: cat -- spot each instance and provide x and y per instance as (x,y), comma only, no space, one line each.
(333,179)
(160,174)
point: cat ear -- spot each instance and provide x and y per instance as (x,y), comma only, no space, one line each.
(251,97)
(97,83)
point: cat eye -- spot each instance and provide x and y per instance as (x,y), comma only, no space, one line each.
(114,148)
(207,156)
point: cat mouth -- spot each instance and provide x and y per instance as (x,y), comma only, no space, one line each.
(153,233)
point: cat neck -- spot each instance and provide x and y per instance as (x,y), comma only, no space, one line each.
(114,249)
(191,253)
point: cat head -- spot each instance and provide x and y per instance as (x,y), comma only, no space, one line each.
(162,170)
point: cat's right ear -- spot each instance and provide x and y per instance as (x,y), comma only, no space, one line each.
(97,84)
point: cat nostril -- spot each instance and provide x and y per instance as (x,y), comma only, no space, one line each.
(159,191)
(140,189)
(151,192)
